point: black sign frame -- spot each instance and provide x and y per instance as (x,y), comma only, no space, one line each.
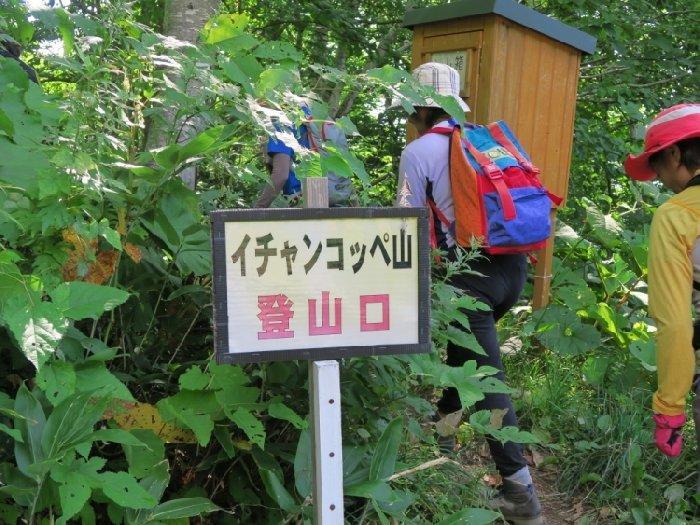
(219,218)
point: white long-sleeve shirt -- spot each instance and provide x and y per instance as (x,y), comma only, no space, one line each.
(424,167)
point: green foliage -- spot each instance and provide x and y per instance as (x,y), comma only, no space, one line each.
(104,263)
(587,396)
(646,60)
(105,289)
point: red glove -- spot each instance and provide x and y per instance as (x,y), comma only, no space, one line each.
(667,435)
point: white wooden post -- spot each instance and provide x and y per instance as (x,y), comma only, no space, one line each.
(324,404)
(327,440)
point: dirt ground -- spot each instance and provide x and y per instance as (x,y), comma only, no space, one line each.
(558,507)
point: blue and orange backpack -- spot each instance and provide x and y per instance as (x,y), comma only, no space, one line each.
(500,205)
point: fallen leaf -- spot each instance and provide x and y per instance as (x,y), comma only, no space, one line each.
(497,415)
(449,424)
(133,251)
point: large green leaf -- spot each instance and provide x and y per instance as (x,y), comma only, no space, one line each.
(94,376)
(471,382)
(374,489)
(484,421)
(177,222)
(181,508)
(30,422)
(275,489)
(575,297)
(605,228)
(303,464)
(144,460)
(192,409)
(223,27)
(65,29)
(117,435)
(205,142)
(194,379)
(397,502)
(249,424)
(573,339)
(335,163)
(16,485)
(645,351)
(12,282)
(234,72)
(464,340)
(57,379)
(36,325)
(388,74)
(73,494)
(12,432)
(595,367)
(384,458)
(123,490)
(79,300)
(16,171)
(278,51)
(471,517)
(274,78)
(279,410)
(612,321)
(71,423)
(154,484)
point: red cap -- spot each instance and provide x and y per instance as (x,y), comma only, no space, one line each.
(670,126)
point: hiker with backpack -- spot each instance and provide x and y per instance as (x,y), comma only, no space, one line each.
(479,187)
(672,153)
(280,158)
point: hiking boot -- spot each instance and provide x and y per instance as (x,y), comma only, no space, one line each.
(518,503)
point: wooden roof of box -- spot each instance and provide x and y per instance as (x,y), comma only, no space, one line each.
(509,9)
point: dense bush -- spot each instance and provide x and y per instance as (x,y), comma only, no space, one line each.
(111,408)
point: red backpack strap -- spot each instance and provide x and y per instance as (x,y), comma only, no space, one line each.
(500,137)
(495,175)
(438,213)
(441,130)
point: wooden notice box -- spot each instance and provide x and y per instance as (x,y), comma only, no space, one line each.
(516,65)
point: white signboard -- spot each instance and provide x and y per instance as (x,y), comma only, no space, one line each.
(456,60)
(321,283)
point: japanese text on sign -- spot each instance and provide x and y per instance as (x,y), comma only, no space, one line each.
(321,283)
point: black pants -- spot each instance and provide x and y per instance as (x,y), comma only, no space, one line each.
(504,277)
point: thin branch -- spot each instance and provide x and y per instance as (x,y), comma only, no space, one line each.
(662,81)
(423,466)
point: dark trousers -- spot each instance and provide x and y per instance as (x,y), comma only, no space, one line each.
(501,284)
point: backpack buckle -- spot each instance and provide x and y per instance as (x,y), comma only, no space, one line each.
(492,171)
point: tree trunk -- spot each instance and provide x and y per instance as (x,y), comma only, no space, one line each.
(183,20)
